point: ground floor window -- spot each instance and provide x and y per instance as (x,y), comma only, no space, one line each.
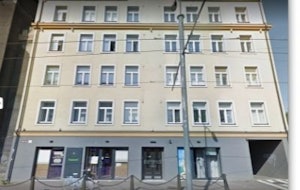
(49,162)
(152,163)
(107,163)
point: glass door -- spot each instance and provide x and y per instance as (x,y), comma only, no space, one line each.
(152,163)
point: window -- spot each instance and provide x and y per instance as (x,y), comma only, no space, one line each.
(169,15)
(107,75)
(131,76)
(246,45)
(132,14)
(109,43)
(82,75)
(51,75)
(86,43)
(105,112)
(221,76)
(170,43)
(214,14)
(241,15)
(200,113)
(258,113)
(60,13)
(132,43)
(191,14)
(171,78)
(131,112)
(252,78)
(197,76)
(88,14)
(46,113)
(217,43)
(79,112)
(111,14)
(226,113)
(194,44)
(57,42)
(173,112)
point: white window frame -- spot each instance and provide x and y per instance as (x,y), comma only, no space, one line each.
(108,74)
(169,15)
(227,112)
(132,43)
(133,75)
(60,13)
(109,43)
(196,74)
(200,110)
(194,43)
(258,114)
(170,43)
(222,77)
(191,15)
(241,14)
(46,112)
(82,112)
(217,43)
(175,108)
(106,111)
(89,14)
(132,111)
(252,76)
(111,15)
(53,75)
(133,15)
(57,42)
(86,45)
(214,15)
(84,80)
(170,73)
(246,44)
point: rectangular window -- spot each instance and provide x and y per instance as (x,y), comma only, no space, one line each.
(79,112)
(109,43)
(46,112)
(173,112)
(132,14)
(82,75)
(197,76)
(131,76)
(241,15)
(169,15)
(252,78)
(214,14)
(89,14)
(132,43)
(246,45)
(226,113)
(172,76)
(221,76)
(217,43)
(258,113)
(131,112)
(194,44)
(200,113)
(60,13)
(86,43)
(170,43)
(107,75)
(51,75)
(57,42)
(111,14)
(105,112)
(191,14)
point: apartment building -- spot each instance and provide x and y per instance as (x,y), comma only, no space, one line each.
(102,95)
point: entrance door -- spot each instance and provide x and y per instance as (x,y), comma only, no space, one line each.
(152,163)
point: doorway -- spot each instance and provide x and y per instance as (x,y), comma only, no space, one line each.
(152,163)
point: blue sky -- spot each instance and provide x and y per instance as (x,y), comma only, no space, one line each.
(276,12)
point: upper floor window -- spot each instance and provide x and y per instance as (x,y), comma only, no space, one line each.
(214,14)
(258,113)
(82,75)
(226,113)
(170,43)
(200,113)
(174,112)
(89,14)
(51,75)
(131,76)
(105,112)
(194,44)
(217,43)
(251,74)
(132,43)
(246,44)
(111,14)
(191,14)
(169,15)
(221,76)
(46,112)
(60,13)
(172,76)
(131,112)
(79,112)
(197,76)
(240,14)
(57,42)
(109,43)
(132,14)
(107,75)
(86,43)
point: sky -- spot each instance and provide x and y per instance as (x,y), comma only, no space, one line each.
(276,12)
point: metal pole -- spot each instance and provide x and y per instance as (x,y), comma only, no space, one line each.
(184,103)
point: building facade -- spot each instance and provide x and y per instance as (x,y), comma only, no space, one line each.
(102,95)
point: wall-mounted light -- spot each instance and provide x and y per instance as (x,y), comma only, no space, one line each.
(107,141)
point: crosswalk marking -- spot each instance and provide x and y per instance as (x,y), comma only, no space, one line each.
(281,184)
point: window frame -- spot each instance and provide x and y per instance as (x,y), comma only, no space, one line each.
(249,76)
(46,115)
(205,108)
(132,110)
(88,48)
(245,41)
(107,39)
(220,82)
(214,16)
(133,75)
(167,13)
(197,83)
(106,110)
(132,45)
(194,43)
(217,44)
(135,14)
(92,13)
(169,43)
(53,77)
(80,113)
(60,9)
(111,15)
(225,113)
(172,75)
(57,45)
(256,120)
(175,109)
(191,16)
(239,13)
(107,83)
(83,81)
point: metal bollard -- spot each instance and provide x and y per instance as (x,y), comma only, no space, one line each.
(179,183)
(83,186)
(131,182)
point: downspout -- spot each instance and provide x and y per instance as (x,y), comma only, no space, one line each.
(25,91)
(283,116)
